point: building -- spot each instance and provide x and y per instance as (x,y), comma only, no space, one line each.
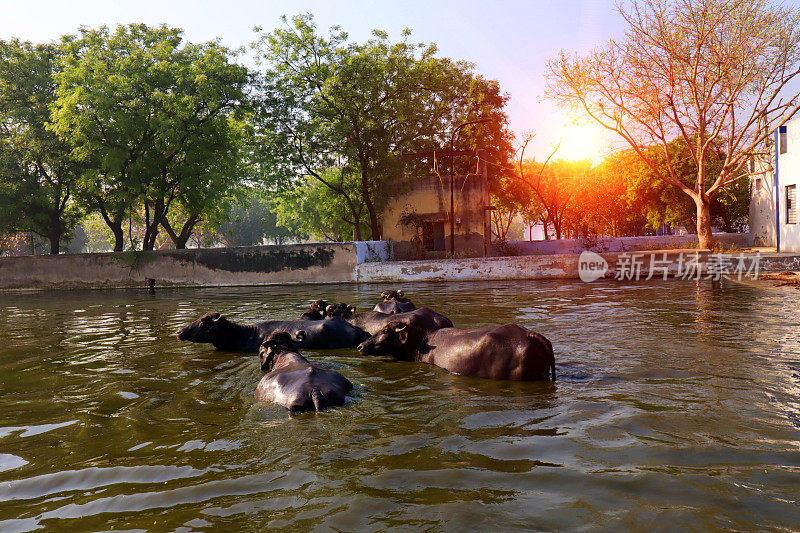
(418,221)
(773,192)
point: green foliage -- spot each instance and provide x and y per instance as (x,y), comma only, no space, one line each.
(252,222)
(94,235)
(38,174)
(329,103)
(155,117)
(313,209)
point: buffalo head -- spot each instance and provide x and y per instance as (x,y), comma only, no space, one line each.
(341,310)
(393,295)
(207,328)
(316,311)
(396,339)
(277,343)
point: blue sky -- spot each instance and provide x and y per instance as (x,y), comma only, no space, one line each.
(508,41)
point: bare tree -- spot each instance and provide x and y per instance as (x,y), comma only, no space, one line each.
(713,74)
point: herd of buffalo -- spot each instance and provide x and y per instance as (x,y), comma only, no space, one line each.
(395,327)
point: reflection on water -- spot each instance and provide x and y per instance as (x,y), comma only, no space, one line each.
(677,406)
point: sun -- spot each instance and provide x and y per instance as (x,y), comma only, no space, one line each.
(581,140)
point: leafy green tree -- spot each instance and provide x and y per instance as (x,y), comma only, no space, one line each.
(330,103)
(253,221)
(38,174)
(311,208)
(153,115)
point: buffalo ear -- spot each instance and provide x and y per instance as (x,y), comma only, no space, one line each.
(384,294)
(352,308)
(329,309)
(400,293)
(402,335)
(300,336)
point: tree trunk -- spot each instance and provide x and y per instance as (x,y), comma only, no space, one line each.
(114,225)
(375,232)
(186,231)
(151,225)
(119,237)
(55,242)
(705,239)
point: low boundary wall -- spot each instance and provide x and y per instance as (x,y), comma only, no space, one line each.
(321,263)
(615,244)
(562,266)
(256,265)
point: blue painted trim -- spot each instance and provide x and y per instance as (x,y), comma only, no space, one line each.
(777,193)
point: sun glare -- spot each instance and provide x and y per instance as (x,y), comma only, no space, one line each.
(580,141)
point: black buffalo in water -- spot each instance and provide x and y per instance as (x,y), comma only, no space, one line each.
(394,302)
(316,311)
(295,383)
(341,310)
(496,352)
(373,321)
(226,335)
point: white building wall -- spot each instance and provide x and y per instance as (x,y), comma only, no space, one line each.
(763,194)
(789,174)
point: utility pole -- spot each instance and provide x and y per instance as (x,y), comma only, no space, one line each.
(452,211)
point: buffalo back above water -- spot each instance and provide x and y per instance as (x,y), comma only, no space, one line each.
(394,301)
(226,335)
(373,321)
(293,382)
(496,352)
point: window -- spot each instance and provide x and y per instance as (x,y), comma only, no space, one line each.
(783,139)
(433,236)
(791,204)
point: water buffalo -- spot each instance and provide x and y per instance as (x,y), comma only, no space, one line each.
(394,302)
(229,336)
(293,382)
(342,310)
(495,352)
(372,321)
(316,311)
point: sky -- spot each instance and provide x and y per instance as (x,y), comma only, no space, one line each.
(509,41)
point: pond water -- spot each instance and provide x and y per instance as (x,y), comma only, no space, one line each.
(677,405)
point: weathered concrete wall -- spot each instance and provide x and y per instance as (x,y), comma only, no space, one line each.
(563,266)
(373,251)
(258,265)
(619,244)
(762,208)
(305,263)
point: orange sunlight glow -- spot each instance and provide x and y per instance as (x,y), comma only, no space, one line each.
(581,140)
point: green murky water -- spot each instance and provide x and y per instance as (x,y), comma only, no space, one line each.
(677,406)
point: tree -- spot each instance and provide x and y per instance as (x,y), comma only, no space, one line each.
(555,185)
(38,173)
(311,208)
(152,114)
(713,75)
(252,222)
(328,103)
